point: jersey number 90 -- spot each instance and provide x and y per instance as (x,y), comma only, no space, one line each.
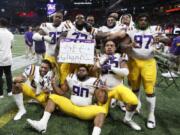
(82,92)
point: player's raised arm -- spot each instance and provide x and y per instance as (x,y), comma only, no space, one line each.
(41,36)
(161,38)
(116,35)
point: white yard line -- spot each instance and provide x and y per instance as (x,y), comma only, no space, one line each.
(21,61)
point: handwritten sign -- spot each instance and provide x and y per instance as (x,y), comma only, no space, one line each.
(78,51)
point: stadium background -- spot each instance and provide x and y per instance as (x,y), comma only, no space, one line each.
(22,13)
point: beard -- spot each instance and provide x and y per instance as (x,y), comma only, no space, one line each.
(81,78)
(80,26)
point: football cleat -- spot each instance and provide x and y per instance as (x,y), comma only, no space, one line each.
(19,114)
(9,94)
(132,124)
(1,97)
(151,123)
(122,106)
(169,74)
(113,103)
(37,125)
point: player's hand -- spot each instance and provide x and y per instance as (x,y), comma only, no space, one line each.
(53,80)
(48,38)
(29,43)
(105,67)
(103,87)
(46,91)
(88,27)
(134,45)
(111,57)
(156,39)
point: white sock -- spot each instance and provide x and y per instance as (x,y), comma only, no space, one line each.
(19,101)
(128,115)
(152,103)
(96,131)
(45,117)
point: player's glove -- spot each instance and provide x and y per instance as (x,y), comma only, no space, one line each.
(105,68)
(111,57)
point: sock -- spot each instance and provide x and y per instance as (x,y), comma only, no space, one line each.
(45,117)
(19,101)
(128,115)
(138,94)
(96,131)
(152,103)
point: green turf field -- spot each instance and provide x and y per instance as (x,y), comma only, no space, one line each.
(167,115)
(18,46)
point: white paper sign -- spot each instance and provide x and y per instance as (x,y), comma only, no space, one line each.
(77,51)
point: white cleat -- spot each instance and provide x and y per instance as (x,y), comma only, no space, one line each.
(40,127)
(19,114)
(169,74)
(132,124)
(9,94)
(1,97)
(151,123)
(137,111)
(122,106)
(113,103)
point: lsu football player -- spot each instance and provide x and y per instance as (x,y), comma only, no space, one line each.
(111,25)
(79,105)
(114,68)
(127,20)
(77,31)
(50,32)
(141,64)
(35,82)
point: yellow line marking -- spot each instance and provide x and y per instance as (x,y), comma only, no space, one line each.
(4,119)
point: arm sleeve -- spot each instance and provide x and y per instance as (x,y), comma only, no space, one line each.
(120,71)
(37,37)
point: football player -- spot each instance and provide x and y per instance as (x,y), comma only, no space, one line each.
(50,32)
(114,68)
(35,82)
(91,20)
(79,30)
(127,20)
(111,25)
(142,65)
(79,105)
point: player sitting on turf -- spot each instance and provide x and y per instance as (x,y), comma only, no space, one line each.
(82,88)
(39,85)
